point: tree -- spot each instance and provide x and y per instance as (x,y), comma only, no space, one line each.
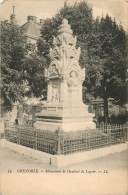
(12,56)
(34,73)
(106,72)
(79,16)
(103,51)
(22,71)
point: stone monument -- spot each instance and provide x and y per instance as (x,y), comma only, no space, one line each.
(64,108)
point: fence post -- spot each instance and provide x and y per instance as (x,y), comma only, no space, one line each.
(126,131)
(105,127)
(59,133)
(18,134)
(35,135)
(89,141)
(6,128)
(109,129)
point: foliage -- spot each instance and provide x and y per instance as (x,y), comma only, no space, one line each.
(106,71)
(12,55)
(79,16)
(22,71)
(103,51)
(34,74)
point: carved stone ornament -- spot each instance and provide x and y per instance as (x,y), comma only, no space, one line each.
(64,55)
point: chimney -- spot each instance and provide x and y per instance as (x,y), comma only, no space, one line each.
(32,19)
(13,16)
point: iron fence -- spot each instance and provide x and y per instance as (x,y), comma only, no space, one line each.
(60,142)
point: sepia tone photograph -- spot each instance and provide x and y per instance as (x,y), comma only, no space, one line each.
(63,97)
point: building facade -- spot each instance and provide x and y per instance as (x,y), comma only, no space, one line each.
(32,29)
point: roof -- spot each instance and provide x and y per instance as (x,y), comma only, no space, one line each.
(31,28)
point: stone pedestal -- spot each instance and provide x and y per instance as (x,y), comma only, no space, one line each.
(64,108)
(59,117)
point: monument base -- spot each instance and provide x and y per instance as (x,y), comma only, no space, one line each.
(71,126)
(67,119)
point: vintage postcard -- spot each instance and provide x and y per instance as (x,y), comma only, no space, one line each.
(63,97)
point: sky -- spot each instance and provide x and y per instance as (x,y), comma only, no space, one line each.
(118,9)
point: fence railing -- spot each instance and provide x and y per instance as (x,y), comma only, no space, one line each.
(60,142)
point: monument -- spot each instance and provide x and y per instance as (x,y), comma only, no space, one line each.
(60,131)
(64,109)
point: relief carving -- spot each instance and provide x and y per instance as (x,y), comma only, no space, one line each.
(64,53)
(73,80)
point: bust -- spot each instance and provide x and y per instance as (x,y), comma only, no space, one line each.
(73,79)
